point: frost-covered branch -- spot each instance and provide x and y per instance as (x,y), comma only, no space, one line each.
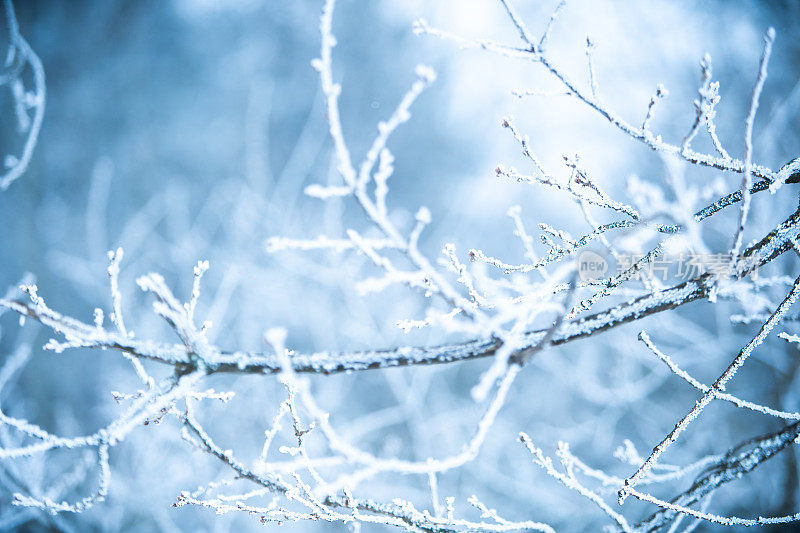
(748,141)
(311,464)
(29,103)
(532,52)
(216,360)
(717,387)
(737,462)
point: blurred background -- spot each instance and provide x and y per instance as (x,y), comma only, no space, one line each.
(187,129)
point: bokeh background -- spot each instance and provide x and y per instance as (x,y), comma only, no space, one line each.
(187,129)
